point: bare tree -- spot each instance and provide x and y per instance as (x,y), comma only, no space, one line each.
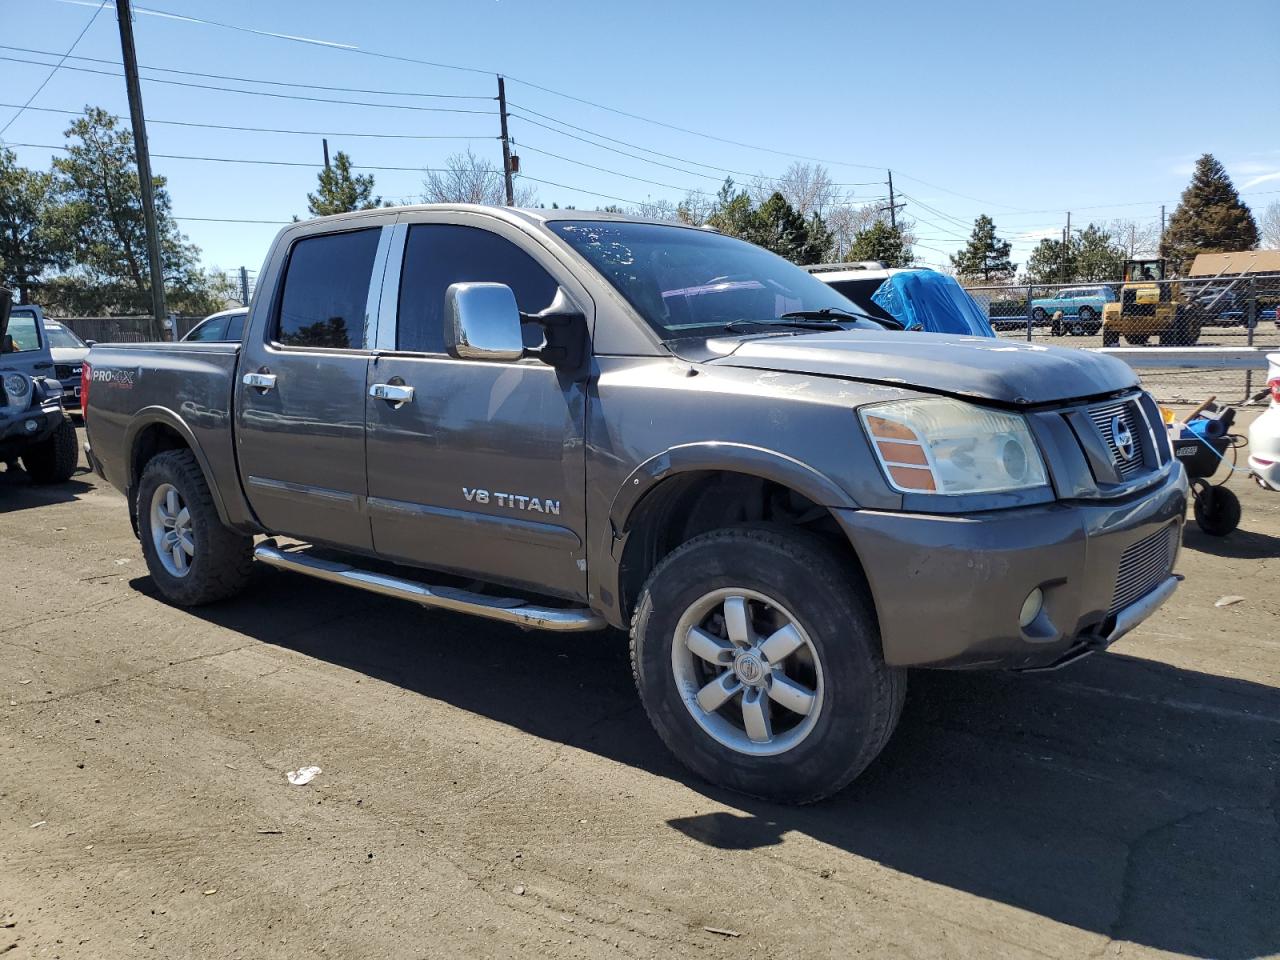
(808,187)
(1269,224)
(657,210)
(468,179)
(695,209)
(1138,238)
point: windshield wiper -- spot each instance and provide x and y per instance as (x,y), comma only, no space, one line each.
(835,313)
(800,323)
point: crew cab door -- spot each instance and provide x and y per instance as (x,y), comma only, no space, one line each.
(478,467)
(300,394)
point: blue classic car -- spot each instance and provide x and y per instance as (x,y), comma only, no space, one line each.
(1081,309)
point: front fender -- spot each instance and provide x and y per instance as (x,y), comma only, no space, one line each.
(733,457)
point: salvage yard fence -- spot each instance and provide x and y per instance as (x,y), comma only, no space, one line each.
(1226,311)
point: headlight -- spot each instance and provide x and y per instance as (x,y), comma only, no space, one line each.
(16,385)
(949,447)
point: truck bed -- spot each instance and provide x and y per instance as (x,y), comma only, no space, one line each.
(188,385)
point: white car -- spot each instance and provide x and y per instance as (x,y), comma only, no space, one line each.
(1264,433)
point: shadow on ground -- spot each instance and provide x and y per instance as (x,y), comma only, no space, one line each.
(1240,544)
(1122,796)
(17,492)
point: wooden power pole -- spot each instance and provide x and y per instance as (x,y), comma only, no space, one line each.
(129,57)
(506,143)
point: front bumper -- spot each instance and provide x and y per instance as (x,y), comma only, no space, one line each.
(14,435)
(949,589)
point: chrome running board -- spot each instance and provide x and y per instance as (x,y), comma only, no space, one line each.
(504,609)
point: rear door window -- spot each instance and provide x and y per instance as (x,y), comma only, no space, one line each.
(439,254)
(326,291)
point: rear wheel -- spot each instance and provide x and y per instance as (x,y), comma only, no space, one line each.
(757,657)
(192,557)
(1110,338)
(54,460)
(1084,320)
(1136,339)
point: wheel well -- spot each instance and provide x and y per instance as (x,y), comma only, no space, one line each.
(151,440)
(697,502)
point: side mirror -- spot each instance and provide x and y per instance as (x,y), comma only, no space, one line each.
(482,322)
(91,343)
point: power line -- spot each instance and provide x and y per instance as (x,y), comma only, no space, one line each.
(61,61)
(265,93)
(269,163)
(274,83)
(616,173)
(306,133)
(593,193)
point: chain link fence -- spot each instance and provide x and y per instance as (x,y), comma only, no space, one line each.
(1221,311)
(128,329)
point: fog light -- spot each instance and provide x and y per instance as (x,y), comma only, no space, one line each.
(31,426)
(1031,608)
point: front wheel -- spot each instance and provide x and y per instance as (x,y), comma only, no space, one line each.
(55,459)
(1038,315)
(192,557)
(757,657)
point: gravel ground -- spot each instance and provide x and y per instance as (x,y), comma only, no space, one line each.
(491,793)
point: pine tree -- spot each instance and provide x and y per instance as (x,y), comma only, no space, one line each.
(883,242)
(1209,219)
(986,255)
(341,191)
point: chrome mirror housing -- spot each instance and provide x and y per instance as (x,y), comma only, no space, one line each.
(482,322)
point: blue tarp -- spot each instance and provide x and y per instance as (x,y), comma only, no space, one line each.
(926,300)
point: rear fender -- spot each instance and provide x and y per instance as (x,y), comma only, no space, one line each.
(149,417)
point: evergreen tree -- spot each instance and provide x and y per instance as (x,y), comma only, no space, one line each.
(776,226)
(341,191)
(986,256)
(1209,219)
(1097,255)
(28,244)
(883,242)
(99,221)
(1049,264)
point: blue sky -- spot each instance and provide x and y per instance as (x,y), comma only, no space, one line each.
(1020,110)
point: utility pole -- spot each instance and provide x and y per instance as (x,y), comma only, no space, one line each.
(893,211)
(129,57)
(244,286)
(1161,243)
(506,143)
(325,142)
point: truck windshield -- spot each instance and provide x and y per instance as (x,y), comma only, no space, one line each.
(689,283)
(21,335)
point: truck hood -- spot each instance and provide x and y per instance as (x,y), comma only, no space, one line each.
(983,368)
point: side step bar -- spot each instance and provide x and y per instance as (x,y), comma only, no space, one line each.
(505,609)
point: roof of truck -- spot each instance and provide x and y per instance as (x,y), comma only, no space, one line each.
(536,215)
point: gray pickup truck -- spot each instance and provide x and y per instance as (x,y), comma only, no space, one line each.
(569,421)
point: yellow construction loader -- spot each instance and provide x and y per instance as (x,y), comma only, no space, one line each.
(1150,304)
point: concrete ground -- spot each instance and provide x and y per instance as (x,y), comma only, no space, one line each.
(491,793)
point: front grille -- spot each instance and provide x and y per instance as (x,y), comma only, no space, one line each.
(1143,565)
(1103,417)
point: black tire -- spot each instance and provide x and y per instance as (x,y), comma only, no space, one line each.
(862,696)
(1136,339)
(1038,315)
(1086,314)
(1217,511)
(1110,338)
(223,559)
(55,459)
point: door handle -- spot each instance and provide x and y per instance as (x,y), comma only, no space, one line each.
(396,393)
(260,381)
